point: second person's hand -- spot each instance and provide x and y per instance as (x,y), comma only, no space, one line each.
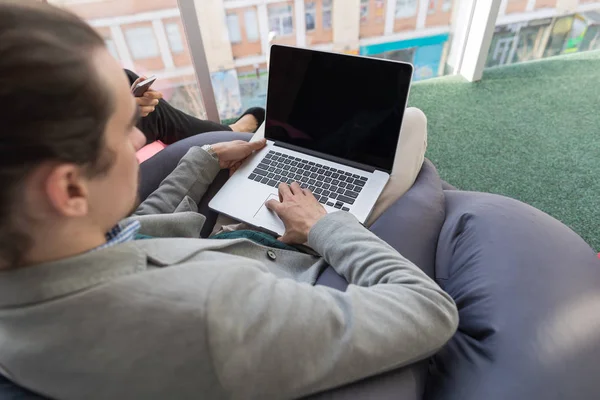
(148,101)
(232,154)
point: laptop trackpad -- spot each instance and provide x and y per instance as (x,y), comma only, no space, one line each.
(267,219)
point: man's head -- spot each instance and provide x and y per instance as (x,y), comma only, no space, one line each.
(68,170)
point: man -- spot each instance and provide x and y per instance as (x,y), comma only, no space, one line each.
(86,314)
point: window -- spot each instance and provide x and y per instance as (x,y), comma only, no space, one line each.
(380,10)
(174,38)
(142,43)
(364,11)
(233,26)
(406,8)
(112,48)
(135,35)
(447,5)
(432,7)
(251,25)
(327,14)
(281,19)
(405,55)
(591,40)
(310,16)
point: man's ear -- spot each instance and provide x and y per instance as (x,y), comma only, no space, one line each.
(66,188)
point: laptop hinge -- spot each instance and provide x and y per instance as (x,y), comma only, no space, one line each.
(327,157)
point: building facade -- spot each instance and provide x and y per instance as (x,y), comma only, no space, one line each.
(528,30)
(148,37)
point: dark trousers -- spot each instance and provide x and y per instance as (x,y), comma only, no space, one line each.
(170,125)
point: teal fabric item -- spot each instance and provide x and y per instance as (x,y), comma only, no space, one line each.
(257,237)
(139,236)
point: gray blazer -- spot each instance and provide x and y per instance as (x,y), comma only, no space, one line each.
(188,318)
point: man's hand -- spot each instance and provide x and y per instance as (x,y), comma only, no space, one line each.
(232,154)
(149,100)
(299,211)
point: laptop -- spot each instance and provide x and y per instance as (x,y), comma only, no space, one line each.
(332,125)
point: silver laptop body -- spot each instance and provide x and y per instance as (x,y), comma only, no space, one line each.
(332,125)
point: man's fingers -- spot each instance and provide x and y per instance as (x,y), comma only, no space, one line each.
(146,102)
(146,110)
(273,205)
(284,191)
(295,188)
(284,239)
(308,193)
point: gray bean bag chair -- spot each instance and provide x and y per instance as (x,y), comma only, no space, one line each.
(527,290)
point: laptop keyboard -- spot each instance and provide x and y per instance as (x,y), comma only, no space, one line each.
(331,186)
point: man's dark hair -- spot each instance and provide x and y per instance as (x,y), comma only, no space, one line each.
(53,106)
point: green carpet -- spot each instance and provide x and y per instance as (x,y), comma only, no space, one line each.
(529,131)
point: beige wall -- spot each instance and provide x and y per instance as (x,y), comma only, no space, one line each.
(516,6)
(211,17)
(346,27)
(406,24)
(114,8)
(545,4)
(439,17)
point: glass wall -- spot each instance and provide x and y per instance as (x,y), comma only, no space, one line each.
(148,38)
(415,31)
(532,29)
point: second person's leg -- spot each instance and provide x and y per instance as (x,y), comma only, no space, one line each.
(170,125)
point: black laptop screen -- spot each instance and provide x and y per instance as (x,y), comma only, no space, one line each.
(344,106)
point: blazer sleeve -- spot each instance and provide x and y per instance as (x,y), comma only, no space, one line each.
(191,178)
(278,338)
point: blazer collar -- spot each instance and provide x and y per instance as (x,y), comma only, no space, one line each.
(42,282)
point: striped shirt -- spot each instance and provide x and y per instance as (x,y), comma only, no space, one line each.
(118,234)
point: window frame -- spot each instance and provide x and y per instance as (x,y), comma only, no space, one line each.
(230,16)
(175,28)
(470,42)
(254,24)
(313,13)
(406,13)
(364,5)
(447,5)
(280,15)
(143,51)
(111,46)
(327,8)
(432,10)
